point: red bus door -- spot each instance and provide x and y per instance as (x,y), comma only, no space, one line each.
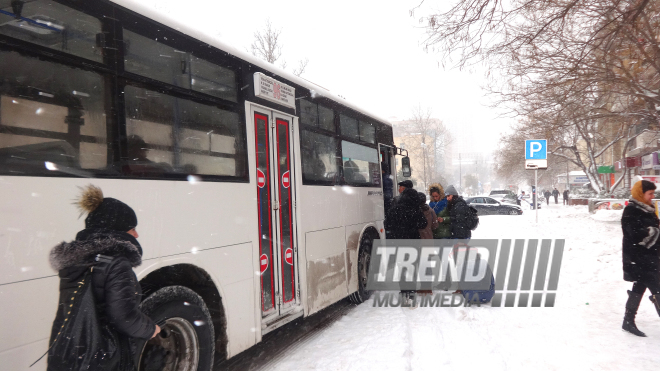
(278,260)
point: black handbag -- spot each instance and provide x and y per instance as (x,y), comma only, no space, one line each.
(85,341)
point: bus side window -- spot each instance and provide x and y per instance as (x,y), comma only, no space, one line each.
(53,25)
(319,152)
(367,132)
(50,113)
(168,135)
(153,59)
(349,127)
(361,165)
(316,115)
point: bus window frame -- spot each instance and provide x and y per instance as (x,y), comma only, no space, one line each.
(116,78)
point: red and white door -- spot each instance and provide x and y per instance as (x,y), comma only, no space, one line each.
(275,202)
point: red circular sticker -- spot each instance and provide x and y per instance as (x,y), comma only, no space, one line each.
(263,262)
(285,179)
(261,179)
(288,256)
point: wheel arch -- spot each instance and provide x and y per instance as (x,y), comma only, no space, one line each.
(369,230)
(198,280)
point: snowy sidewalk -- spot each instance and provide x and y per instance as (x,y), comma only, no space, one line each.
(582,332)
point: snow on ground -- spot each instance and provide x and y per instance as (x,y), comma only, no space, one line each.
(582,332)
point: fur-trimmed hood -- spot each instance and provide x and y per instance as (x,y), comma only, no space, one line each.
(439,187)
(642,206)
(90,243)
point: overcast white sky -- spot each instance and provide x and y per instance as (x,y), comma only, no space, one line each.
(367,51)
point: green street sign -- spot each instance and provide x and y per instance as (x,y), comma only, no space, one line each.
(606,170)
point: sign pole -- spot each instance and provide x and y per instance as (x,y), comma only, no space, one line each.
(536,192)
(536,156)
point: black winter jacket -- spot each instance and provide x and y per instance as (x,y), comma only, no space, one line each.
(119,304)
(640,243)
(405,218)
(458,212)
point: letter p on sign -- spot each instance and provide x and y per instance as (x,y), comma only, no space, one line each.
(536,149)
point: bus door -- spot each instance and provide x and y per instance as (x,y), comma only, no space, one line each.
(388,168)
(275,203)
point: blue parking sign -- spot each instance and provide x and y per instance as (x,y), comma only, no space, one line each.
(536,149)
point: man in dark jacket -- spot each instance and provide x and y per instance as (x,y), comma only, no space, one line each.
(458,212)
(555,194)
(406,184)
(546,194)
(641,245)
(403,185)
(405,218)
(565,197)
(109,231)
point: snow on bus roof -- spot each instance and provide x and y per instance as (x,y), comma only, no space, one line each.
(142,8)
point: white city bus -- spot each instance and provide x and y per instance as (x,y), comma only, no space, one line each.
(258,194)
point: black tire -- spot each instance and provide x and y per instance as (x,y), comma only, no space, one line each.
(187,326)
(513,212)
(364,258)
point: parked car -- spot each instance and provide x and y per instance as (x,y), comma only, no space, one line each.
(490,206)
(504,195)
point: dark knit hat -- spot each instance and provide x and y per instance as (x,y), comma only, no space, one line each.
(106,213)
(451,190)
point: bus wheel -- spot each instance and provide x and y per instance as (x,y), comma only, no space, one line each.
(186,341)
(364,258)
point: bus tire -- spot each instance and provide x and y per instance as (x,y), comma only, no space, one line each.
(186,341)
(364,258)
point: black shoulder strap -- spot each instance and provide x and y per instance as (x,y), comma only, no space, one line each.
(100,272)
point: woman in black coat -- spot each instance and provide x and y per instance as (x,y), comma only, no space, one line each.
(405,218)
(109,231)
(641,264)
(459,213)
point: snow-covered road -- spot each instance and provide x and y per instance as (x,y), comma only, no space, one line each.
(582,332)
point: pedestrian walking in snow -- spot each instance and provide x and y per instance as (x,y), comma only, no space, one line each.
(439,205)
(546,194)
(640,251)
(109,237)
(565,194)
(555,194)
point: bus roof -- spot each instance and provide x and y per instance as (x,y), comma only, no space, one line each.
(148,11)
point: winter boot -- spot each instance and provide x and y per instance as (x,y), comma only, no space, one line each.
(631,311)
(654,300)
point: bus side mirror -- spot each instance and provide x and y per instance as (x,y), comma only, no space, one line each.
(405,167)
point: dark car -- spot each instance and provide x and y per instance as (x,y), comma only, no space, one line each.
(490,206)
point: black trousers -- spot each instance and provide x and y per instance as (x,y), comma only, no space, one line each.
(639,288)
